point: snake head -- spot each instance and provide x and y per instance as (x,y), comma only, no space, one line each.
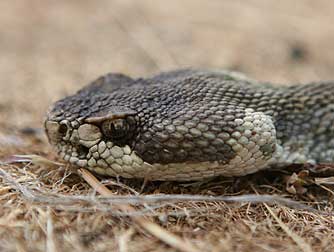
(99,137)
(183,126)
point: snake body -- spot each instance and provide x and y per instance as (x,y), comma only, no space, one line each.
(192,124)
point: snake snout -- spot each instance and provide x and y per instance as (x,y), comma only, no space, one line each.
(55,131)
(67,139)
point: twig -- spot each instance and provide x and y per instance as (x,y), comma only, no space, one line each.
(50,241)
(56,199)
(124,239)
(154,229)
(35,159)
(301,243)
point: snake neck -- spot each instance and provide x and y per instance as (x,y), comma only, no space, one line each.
(304,119)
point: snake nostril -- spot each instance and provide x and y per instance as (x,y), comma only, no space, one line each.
(82,151)
(62,130)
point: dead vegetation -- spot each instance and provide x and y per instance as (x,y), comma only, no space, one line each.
(50,206)
(50,49)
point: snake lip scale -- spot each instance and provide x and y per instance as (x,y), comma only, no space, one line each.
(192,124)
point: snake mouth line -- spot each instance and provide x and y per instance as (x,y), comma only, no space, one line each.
(76,155)
(103,157)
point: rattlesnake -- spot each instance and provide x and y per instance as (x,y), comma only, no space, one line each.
(192,124)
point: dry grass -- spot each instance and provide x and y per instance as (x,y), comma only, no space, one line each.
(55,209)
(51,48)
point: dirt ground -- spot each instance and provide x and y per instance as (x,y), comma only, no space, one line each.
(50,49)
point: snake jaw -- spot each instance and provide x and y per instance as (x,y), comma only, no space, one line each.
(85,146)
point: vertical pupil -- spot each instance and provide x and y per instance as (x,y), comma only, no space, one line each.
(115,128)
(112,128)
(118,131)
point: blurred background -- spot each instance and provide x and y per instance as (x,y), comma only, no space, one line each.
(49,49)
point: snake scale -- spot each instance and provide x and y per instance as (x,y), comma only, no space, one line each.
(192,124)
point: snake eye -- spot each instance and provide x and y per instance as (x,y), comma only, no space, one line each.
(116,129)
